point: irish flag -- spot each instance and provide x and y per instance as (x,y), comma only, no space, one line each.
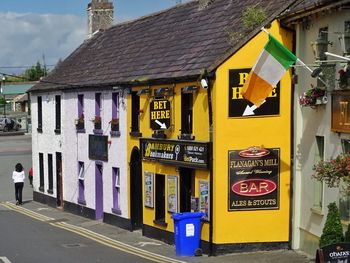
(272,63)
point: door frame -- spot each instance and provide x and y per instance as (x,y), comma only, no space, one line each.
(59,184)
(136,194)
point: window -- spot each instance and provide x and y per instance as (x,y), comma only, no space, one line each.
(97,121)
(318,186)
(58,113)
(344,200)
(50,173)
(115,115)
(80,125)
(40,114)
(186,115)
(135,115)
(41,172)
(160,199)
(81,183)
(116,190)
(186,189)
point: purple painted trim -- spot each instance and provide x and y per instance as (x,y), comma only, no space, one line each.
(81,131)
(116,211)
(115,105)
(98,191)
(115,133)
(81,185)
(81,202)
(97,131)
(80,105)
(98,104)
(116,204)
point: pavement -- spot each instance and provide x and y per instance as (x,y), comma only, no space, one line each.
(12,133)
(135,243)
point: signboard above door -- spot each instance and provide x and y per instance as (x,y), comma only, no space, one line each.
(160,114)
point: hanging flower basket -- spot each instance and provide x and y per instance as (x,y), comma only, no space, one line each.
(115,124)
(313,97)
(344,77)
(333,171)
(97,122)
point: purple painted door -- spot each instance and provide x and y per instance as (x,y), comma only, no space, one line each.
(99,192)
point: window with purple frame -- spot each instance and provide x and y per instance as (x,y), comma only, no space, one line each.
(81,182)
(116,190)
(115,115)
(97,120)
(80,125)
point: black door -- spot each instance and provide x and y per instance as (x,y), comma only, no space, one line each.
(59,197)
(136,189)
(185,189)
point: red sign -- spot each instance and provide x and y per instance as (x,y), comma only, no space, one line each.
(254,187)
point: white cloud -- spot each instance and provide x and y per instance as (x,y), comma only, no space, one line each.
(25,38)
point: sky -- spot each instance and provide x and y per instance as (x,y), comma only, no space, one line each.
(49,30)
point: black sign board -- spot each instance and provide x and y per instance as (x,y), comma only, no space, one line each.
(335,253)
(160,114)
(180,153)
(253,179)
(240,107)
(98,147)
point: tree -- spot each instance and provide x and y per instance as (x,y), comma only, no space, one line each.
(332,231)
(35,72)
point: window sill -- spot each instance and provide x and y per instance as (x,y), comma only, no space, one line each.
(160,222)
(40,130)
(81,202)
(184,136)
(116,211)
(135,134)
(99,131)
(57,131)
(159,135)
(115,133)
(41,188)
(50,191)
(317,211)
(81,131)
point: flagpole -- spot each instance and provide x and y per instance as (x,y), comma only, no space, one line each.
(299,61)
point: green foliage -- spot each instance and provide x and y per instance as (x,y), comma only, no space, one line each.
(2,101)
(253,16)
(347,234)
(332,231)
(34,73)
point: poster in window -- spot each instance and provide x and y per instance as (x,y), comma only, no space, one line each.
(149,189)
(204,197)
(172,194)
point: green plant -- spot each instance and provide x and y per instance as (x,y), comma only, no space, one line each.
(253,16)
(332,231)
(334,170)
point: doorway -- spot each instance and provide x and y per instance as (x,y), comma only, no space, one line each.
(98,191)
(59,197)
(186,189)
(136,189)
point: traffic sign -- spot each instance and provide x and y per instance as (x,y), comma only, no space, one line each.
(160,114)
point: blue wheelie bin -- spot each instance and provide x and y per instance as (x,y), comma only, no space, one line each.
(187,231)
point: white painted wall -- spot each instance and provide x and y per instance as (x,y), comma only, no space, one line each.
(308,123)
(46,142)
(76,149)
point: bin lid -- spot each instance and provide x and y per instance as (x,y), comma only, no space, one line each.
(180,216)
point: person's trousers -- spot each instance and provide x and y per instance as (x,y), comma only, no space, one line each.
(18,192)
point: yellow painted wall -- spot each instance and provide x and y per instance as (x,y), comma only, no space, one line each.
(241,133)
(200,131)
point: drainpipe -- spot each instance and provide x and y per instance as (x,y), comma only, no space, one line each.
(208,77)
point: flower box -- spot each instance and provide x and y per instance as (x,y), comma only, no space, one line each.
(115,125)
(313,97)
(97,123)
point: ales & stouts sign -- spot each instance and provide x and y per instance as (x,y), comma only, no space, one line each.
(254,179)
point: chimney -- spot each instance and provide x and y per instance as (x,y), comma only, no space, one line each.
(100,15)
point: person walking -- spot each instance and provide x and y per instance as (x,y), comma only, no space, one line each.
(18,178)
(30,176)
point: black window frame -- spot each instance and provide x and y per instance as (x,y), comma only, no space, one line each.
(41,172)
(135,115)
(40,114)
(186,116)
(50,172)
(58,114)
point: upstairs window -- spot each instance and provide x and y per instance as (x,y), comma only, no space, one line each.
(58,113)
(135,115)
(80,124)
(115,115)
(97,120)
(40,114)
(186,115)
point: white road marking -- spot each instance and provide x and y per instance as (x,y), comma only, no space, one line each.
(5,260)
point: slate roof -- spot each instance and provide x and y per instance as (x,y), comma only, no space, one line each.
(175,44)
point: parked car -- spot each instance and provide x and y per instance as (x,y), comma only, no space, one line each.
(7,124)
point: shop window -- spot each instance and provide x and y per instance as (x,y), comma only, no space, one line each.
(160,199)
(50,173)
(41,172)
(115,115)
(344,200)
(97,120)
(186,116)
(40,114)
(318,186)
(135,115)
(81,183)
(116,190)
(186,189)
(80,124)
(58,114)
